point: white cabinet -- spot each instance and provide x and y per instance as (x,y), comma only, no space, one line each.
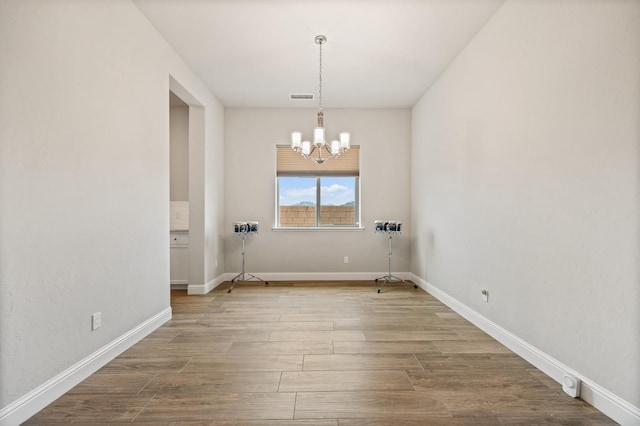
(179,243)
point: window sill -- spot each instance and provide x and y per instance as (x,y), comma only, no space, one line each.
(316,228)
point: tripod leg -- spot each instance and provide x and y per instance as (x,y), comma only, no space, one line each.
(241,275)
(257,278)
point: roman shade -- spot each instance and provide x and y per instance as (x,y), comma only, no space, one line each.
(291,163)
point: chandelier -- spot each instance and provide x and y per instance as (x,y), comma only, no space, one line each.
(314,151)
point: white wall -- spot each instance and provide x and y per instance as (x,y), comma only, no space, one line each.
(214,175)
(525,171)
(251,136)
(84,180)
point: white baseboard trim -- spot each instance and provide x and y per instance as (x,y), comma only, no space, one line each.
(321,276)
(200,289)
(37,399)
(605,401)
(179,286)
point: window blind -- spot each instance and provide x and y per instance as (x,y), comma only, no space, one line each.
(291,163)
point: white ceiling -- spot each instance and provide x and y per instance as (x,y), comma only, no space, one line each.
(379,53)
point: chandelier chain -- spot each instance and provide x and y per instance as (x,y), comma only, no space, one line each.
(320,78)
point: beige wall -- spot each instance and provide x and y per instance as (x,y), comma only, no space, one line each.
(525,181)
(251,136)
(179,153)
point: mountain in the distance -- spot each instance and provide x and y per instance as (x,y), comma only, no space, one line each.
(311,204)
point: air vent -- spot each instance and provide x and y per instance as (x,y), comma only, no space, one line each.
(298,96)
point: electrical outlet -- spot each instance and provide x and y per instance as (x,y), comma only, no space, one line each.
(346,259)
(96,320)
(485,295)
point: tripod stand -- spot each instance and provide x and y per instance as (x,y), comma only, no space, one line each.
(241,275)
(389,277)
(389,227)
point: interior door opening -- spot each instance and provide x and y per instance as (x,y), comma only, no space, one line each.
(179,192)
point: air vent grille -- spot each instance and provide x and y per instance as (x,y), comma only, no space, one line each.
(298,96)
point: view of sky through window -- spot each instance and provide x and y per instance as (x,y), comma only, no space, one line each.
(300,191)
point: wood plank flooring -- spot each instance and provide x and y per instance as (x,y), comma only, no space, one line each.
(317,354)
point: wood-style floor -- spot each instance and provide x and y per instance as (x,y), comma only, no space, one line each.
(318,353)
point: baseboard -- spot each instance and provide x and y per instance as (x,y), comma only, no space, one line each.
(200,289)
(321,276)
(34,401)
(179,286)
(194,289)
(605,401)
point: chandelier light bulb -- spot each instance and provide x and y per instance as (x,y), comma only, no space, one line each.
(318,136)
(335,148)
(296,140)
(306,148)
(344,141)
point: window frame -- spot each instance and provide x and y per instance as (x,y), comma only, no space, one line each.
(319,226)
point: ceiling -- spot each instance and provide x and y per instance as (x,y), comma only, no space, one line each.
(379,53)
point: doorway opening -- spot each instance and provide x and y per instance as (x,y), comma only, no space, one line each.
(178,192)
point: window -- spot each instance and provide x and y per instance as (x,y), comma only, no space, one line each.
(302,186)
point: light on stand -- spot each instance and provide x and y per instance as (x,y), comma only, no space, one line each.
(390,228)
(243,229)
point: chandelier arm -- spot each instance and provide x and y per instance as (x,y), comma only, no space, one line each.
(328,152)
(313,149)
